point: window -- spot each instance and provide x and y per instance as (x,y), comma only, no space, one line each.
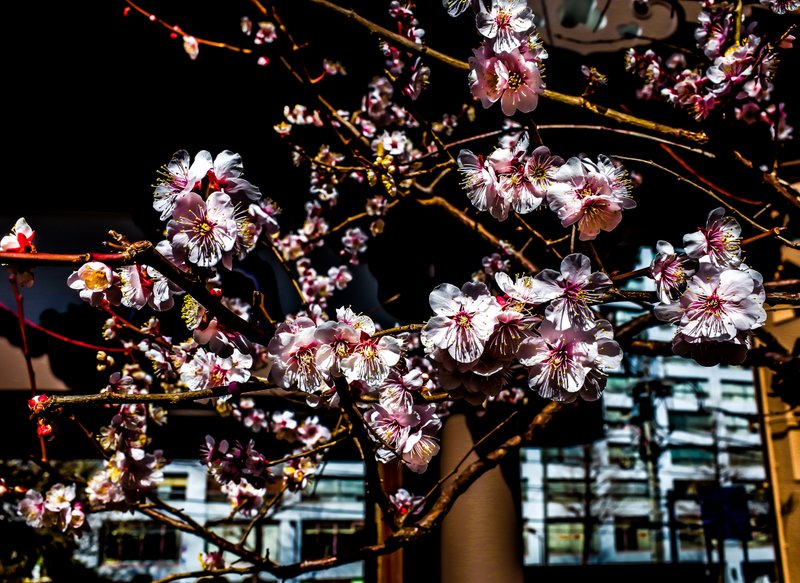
(632,533)
(745,457)
(733,391)
(565,490)
(628,490)
(173,486)
(692,456)
(740,424)
(563,455)
(690,489)
(566,538)
(693,421)
(690,389)
(331,537)
(138,540)
(335,489)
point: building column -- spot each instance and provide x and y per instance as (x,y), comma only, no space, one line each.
(481,537)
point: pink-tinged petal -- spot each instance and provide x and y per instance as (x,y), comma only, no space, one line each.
(735,285)
(442,298)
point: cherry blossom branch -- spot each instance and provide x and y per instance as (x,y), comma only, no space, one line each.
(685,165)
(12,278)
(262,512)
(208,573)
(359,428)
(185,523)
(713,195)
(73,341)
(580,102)
(175,29)
(771,179)
(433,517)
(477,228)
(55,402)
(198,290)
(290,274)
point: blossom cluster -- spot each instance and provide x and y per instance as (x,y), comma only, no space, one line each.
(508,66)
(543,322)
(56,509)
(583,192)
(740,67)
(707,291)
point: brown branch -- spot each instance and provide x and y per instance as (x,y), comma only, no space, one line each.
(58,401)
(580,102)
(715,196)
(771,179)
(478,228)
(175,29)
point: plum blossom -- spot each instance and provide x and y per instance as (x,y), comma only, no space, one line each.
(782,6)
(205,229)
(464,319)
(510,78)
(565,364)
(504,22)
(671,271)
(405,503)
(141,286)
(571,291)
(390,427)
(421,444)
(590,195)
(20,240)
(206,369)
(96,283)
(370,360)
(720,240)
(293,351)
(478,179)
(716,313)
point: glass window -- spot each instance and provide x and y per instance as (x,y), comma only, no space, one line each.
(628,490)
(690,489)
(563,455)
(693,421)
(616,417)
(139,540)
(619,385)
(173,486)
(323,538)
(690,389)
(745,457)
(336,489)
(692,456)
(565,490)
(740,424)
(566,538)
(632,533)
(733,391)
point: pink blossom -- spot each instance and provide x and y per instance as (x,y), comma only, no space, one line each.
(504,22)
(464,319)
(720,240)
(506,77)
(571,291)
